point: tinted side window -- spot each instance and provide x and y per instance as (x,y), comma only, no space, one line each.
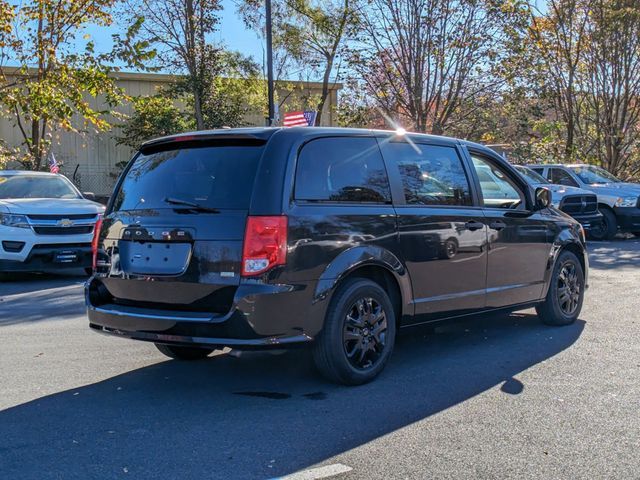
(561,177)
(342,169)
(498,190)
(537,170)
(431,175)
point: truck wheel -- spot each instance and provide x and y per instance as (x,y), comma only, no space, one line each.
(566,292)
(358,335)
(608,228)
(184,353)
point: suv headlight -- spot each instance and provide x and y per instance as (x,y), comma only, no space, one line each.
(627,202)
(11,220)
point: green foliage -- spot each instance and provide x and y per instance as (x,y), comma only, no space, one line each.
(227,99)
(152,117)
(179,31)
(54,83)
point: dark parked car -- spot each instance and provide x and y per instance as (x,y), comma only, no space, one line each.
(258,238)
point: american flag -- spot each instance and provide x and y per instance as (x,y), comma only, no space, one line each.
(299,119)
(53,164)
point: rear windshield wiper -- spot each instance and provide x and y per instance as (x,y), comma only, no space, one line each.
(191,205)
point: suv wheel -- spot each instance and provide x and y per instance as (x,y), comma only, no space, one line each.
(184,353)
(358,335)
(566,292)
(607,228)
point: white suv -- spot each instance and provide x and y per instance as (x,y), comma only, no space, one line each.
(45,223)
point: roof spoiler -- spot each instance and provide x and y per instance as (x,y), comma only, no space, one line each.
(224,136)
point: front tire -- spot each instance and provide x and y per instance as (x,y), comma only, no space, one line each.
(184,353)
(608,228)
(358,335)
(566,292)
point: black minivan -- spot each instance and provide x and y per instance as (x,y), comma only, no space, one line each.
(272,237)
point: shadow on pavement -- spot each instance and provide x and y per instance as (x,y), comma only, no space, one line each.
(262,415)
(17,282)
(23,298)
(615,254)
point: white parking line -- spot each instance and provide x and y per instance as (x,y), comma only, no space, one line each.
(317,473)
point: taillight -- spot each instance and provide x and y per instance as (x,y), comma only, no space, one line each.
(265,244)
(95,241)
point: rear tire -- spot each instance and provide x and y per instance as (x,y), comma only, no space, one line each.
(609,227)
(184,353)
(358,335)
(566,292)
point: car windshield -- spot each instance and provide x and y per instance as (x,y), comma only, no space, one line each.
(590,174)
(530,176)
(36,186)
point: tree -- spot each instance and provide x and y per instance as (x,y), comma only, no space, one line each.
(53,83)
(226,99)
(612,86)
(589,69)
(421,59)
(310,34)
(559,40)
(179,29)
(154,116)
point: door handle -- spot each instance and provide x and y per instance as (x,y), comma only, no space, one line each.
(473,225)
(497,225)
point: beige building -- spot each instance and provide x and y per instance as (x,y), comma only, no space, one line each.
(90,158)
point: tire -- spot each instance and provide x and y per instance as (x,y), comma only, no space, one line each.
(184,353)
(566,292)
(609,226)
(358,334)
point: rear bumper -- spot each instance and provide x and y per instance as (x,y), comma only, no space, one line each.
(628,218)
(53,257)
(262,316)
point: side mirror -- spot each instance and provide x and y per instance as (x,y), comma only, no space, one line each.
(89,196)
(543,198)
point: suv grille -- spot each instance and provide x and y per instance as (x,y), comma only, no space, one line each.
(63,230)
(76,216)
(579,204)
(63,224)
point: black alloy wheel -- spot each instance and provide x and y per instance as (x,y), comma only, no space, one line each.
(564,298)
(358,333)
(365,333)
(569,288)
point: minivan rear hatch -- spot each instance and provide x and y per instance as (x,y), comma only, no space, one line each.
(173,233)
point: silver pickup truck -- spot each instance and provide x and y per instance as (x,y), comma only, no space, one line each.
(618,201)
(576,202)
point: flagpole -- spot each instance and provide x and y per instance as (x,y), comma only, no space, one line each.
(270,119)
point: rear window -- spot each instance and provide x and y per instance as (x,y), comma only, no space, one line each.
(342,169)
(211,176)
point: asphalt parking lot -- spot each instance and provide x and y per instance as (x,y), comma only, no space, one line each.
(492,397)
